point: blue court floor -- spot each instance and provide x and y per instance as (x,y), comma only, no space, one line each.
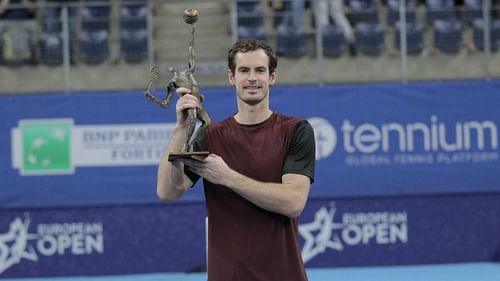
(444,272)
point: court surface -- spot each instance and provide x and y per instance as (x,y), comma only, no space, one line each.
(443,272)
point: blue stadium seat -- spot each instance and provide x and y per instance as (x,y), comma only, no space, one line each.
(94,46)
(51,49)
(249,13)
(290,42)
(133,31)
(448,35)
(133,16)
(370,38)
(247,6)
(255,32)
(52,28)
(393,11)
(439,10)
(134,44)
(334,43)
(52,20)
(95,18)
(414,37)
(363,11)
(97,8)
(478,34)
(473,9)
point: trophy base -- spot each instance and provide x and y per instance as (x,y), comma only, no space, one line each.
(178,155)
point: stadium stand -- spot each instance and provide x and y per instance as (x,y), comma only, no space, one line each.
(51,49)
(363,11)
(257,32)
(134,34)
(249,13)
(494,34)
(291,42)
(94,33)
(414,37)
(334,43)
(448,35)
(472,10)
(370,38)
(393,14)
(439,10)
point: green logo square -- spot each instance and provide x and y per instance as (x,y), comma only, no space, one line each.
(47,146)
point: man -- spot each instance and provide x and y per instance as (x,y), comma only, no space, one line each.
(18,31)
(335,8)
(256,179)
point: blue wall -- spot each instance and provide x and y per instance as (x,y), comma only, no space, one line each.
(407,172)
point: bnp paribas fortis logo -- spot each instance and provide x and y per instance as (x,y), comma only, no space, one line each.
(59,146)
(45,147)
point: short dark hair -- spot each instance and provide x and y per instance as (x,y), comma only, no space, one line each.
(246,45)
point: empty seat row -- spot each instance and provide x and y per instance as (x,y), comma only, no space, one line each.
(370,38)
(91,43)
(448,29)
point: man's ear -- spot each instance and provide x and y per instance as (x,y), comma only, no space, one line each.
(230,77)
(272,77)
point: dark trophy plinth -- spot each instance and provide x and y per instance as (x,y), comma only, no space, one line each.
(175,156)
(184,78)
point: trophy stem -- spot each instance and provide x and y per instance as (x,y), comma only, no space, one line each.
(191,53)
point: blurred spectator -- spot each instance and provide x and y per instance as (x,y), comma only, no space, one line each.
(18,31)
(291,11)
(17,9)
(335,9)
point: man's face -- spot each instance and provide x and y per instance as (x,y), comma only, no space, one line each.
(251,77)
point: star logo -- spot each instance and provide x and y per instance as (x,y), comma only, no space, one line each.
(319,235)
(14,244)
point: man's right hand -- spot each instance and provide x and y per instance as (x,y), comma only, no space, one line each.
(186,101)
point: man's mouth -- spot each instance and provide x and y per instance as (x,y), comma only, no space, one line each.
(252,88)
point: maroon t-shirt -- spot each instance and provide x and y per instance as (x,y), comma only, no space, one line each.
(247,242)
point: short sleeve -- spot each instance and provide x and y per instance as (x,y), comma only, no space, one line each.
(301,156)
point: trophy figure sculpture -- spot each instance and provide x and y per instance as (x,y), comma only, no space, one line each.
(185,79)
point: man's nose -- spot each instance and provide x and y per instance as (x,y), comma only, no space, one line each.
(252,76)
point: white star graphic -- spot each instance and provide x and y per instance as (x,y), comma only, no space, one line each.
(14,244)
(325,238)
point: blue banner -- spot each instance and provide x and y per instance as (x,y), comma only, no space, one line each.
(375,139)
(395,230)
(102,240)
(334,232)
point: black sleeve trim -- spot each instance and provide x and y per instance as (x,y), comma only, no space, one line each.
(301,156)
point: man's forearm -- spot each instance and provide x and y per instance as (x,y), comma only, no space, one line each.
(287,198)
(172,182)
